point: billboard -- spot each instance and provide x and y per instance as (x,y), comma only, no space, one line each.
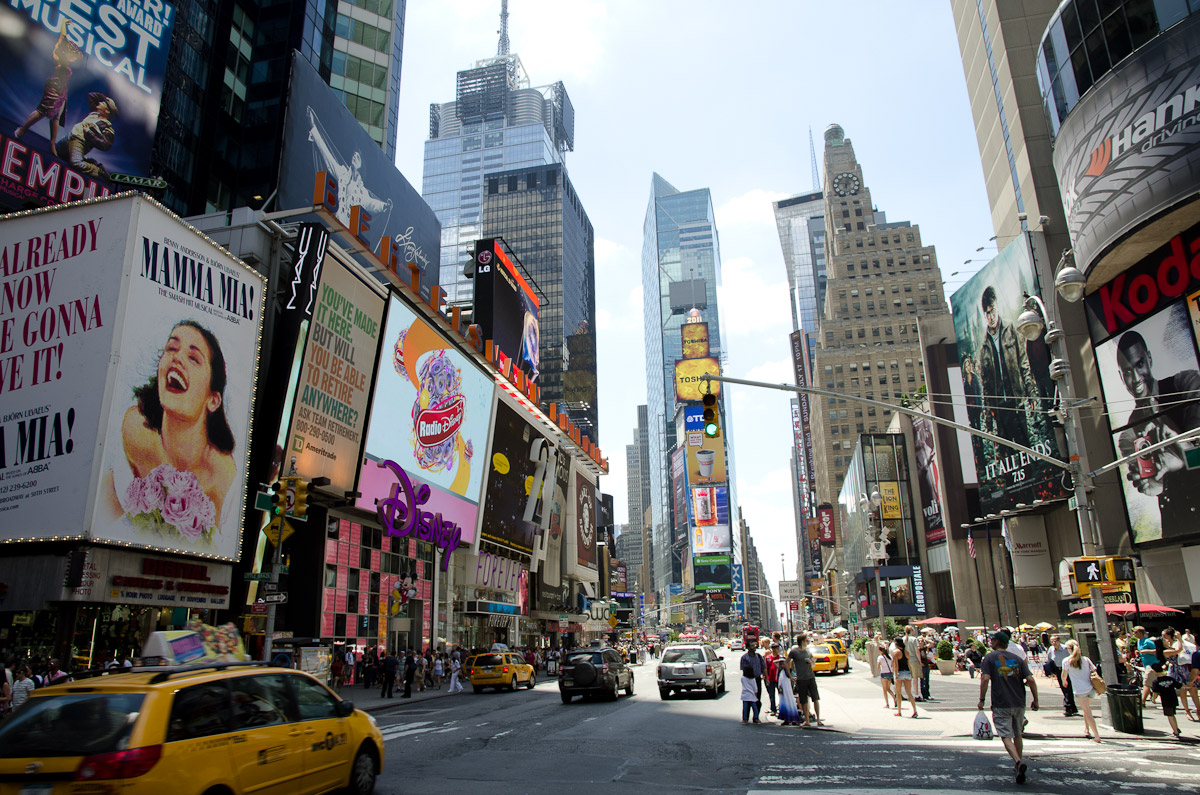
(927,473)
(321,135)
(79,96)
(329,411)
(1013,388)
(1130,149)
(705,458)
(800,367)
(1150,378)
(825,529)
(128,354)
(506,307)
(689,375)
(585,519)
(694,337)
(518,457)
(675,594)
(709,520)
(712,572)
(431,408)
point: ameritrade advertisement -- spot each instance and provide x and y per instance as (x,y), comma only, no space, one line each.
(60,286)
(79,96)
(177,427)
(432,406)
(330,409)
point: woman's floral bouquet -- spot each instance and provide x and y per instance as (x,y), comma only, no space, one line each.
(169,502)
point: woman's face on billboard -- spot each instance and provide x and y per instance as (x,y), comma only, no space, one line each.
(185,375)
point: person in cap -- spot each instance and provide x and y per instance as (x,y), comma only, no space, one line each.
(1008,675)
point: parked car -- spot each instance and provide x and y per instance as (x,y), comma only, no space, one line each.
(829,658)
(499,670)
(595,670)
(692,666)
(205,728)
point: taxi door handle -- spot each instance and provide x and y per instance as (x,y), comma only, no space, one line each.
(294,733)
(309,730)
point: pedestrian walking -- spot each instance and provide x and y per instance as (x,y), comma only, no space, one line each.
(455,675)
(789,710)
(902,671)
(772,659)
(800,661)
(884,664)
(336,671)
(753,667)
(410,673)
(927,664)
(1077,672)
(22,686)
(1056,655)
(1008,675)
(389,668)
(439,670)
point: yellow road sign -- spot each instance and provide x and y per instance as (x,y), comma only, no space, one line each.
(273,530)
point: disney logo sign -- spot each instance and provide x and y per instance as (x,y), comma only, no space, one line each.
(401,515)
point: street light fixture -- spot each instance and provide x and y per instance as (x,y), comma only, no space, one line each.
(1070,283)
(878,553)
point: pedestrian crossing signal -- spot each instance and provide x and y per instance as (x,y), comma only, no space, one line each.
(712,418)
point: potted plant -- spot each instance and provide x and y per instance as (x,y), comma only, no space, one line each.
(945,658)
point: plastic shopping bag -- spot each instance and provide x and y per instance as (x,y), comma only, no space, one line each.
(983,726)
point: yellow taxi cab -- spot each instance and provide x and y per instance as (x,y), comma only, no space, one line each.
(203,729)
(829,658)
(499,669)
(838,644)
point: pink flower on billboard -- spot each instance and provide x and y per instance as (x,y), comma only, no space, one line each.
(168,502)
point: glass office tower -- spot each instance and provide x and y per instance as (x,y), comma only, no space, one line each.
(496,123)
(540,217)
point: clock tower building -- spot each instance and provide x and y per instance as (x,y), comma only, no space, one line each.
(880,278)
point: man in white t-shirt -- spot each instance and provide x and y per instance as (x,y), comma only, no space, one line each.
(1014,647)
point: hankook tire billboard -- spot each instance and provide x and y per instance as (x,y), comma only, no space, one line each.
(1128,150)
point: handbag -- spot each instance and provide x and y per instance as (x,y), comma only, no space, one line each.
(982,729)
(1098,683)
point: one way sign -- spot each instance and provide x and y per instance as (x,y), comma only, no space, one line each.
(275,598)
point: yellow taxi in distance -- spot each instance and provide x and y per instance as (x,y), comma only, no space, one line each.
(203,729)
(828,658)
(838,644)
(499,669)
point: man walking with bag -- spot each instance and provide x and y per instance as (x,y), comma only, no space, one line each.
(1008,676)
(1056,655)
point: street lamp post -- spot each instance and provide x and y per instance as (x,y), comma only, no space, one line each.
(1070,282)
(877,553)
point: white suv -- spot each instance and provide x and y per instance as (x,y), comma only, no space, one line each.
(692,666)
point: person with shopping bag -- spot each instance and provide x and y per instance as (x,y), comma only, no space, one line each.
(1008,675)
(1078,675)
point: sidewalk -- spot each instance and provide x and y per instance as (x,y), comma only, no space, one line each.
(369,700)
(854,703)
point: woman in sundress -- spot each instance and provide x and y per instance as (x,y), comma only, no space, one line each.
(789,712)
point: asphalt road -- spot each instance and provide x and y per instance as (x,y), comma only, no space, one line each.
(530,742)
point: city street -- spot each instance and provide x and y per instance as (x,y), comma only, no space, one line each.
(528,741)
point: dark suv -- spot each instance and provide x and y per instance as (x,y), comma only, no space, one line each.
(595,670)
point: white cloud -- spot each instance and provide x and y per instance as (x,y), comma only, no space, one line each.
(776,371)
(603,319)
(752,208)
(750,302)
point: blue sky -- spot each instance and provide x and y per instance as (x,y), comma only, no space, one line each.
(722,95)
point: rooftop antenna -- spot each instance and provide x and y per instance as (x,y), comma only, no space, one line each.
(812,153)
(502,48)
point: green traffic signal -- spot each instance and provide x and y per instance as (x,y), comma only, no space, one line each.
(712,420)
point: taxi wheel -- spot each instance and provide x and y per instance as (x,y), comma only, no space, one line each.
(477,688)
(532,681)
(512,683)
(362,775)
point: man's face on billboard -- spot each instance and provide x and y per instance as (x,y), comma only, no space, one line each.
(992,317)
(1136,366)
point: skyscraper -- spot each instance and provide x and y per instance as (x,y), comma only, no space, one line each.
(496,123)
(637,479)
(681,268)
(880,277)
(220,125)
(539,215)
(800,221)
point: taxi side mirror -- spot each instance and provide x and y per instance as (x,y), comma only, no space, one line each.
(345,709)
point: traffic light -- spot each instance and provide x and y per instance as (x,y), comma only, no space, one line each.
(279,497)
(712,415)
(300,510)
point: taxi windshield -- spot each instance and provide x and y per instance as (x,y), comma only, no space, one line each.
(71,724)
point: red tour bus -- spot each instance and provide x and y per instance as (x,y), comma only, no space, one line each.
(750,636)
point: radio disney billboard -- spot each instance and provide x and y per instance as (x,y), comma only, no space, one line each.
(1144,326)
(1015,388)
(321,135)
(1130,149)
(430,414)
(79,96)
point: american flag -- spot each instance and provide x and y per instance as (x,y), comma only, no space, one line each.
(971,544)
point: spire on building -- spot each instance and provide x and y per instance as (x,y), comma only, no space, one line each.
(502,48)
(812,153)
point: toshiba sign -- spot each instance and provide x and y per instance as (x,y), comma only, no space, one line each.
(1130,150)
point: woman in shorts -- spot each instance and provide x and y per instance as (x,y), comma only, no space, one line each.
(885,675)
(1078,670)
(904,678)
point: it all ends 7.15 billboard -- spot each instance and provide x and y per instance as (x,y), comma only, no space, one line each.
(79,96)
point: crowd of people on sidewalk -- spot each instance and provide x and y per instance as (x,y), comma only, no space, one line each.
(789,679)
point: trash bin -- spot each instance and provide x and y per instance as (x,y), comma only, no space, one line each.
(1125,706)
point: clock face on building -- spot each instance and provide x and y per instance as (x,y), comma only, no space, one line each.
(845,183)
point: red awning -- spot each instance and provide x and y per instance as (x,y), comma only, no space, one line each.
(1126,609)
(938,620)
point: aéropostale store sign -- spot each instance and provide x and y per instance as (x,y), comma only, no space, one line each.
(115,576)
